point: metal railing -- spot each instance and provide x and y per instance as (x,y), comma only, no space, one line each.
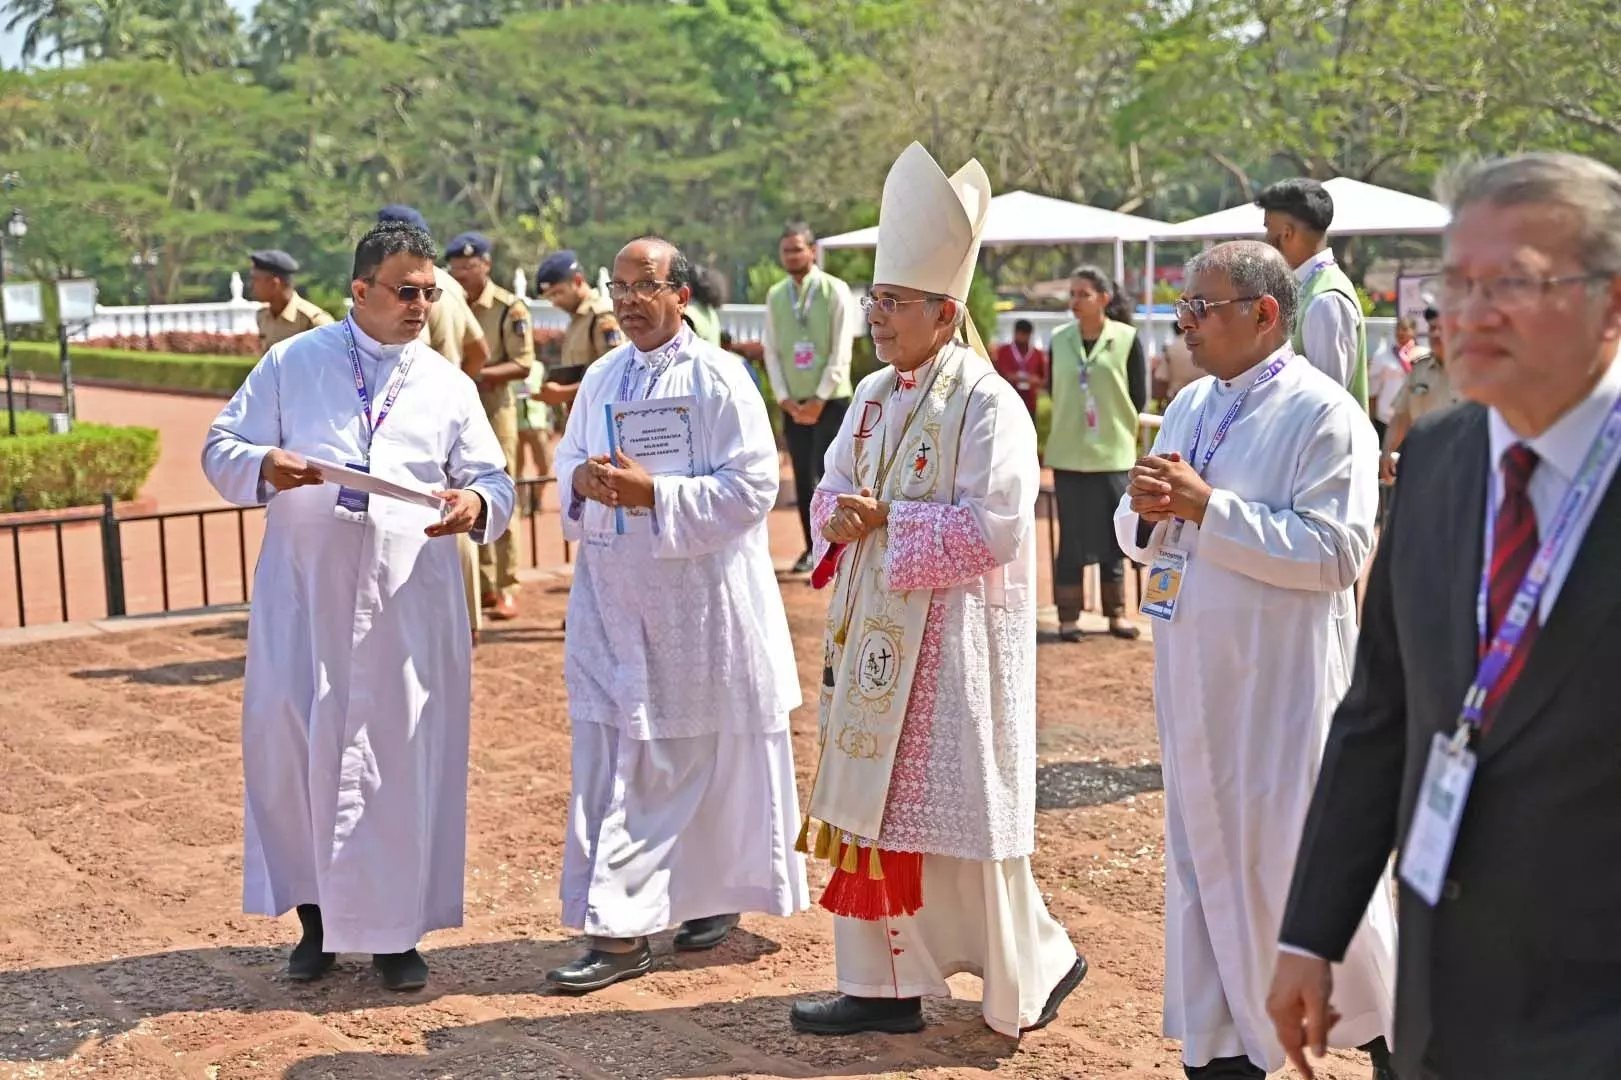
(117,532)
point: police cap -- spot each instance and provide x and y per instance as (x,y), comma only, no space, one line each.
(407,214)
(276,262)
(469,243)
(557,267)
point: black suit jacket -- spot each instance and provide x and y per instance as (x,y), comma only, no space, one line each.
(1516,973)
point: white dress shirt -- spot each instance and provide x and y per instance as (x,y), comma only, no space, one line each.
(1328,326)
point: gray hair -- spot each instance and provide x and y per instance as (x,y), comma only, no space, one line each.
(961,315)
(1590,188)
(1255,269)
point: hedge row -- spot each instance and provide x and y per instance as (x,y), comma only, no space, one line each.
(51,472)
(165,371)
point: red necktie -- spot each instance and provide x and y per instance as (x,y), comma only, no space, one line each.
(1514,545)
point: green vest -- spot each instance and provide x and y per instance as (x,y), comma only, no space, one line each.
(1331,279)
(1112,445)
(812,322)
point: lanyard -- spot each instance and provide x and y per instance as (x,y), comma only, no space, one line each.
(801,299)
(1528,597)
(1087,359)
(407,358)
(657,364)
(1220,434)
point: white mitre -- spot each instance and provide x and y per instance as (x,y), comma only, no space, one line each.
(929,225)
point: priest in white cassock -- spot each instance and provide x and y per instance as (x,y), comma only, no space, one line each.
(359,677)
(1255,513)
(678,663)
(926,783)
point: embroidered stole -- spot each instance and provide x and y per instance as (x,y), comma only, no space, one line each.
(871,644)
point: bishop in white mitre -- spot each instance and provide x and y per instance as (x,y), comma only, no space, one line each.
(925,789)
(1255,513)
(679,668)
(359,675)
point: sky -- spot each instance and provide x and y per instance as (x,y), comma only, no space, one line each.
(11,43)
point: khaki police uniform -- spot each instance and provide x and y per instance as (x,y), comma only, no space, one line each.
(298,316)
(591,332)
(504,318)
(1427,390)
(450,322)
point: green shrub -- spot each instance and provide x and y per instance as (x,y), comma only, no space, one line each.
(164,371)
(55,471)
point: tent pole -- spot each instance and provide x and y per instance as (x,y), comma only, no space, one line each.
(1148,298)
(1119,263)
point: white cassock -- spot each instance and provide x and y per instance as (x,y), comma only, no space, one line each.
(963,788)
(1247,675)
(679,667)
(359,672)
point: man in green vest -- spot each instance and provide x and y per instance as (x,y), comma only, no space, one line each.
(807,358)
(1329,329)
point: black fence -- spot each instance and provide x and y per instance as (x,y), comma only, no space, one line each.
(115,533)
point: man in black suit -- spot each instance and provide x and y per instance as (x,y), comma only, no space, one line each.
(1511,968)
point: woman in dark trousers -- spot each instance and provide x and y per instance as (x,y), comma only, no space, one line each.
(1099,385)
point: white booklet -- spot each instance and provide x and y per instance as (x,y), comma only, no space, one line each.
(659,433)
(343,476)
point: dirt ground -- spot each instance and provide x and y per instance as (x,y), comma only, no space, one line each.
(123,952)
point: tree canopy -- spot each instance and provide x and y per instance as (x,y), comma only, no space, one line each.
(158,140)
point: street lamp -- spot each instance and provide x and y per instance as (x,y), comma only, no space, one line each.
(16,229)
(143,261)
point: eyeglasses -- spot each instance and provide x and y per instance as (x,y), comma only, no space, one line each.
(646,290)
(1509,292)
(886,304)
(1200,308)
(410,294)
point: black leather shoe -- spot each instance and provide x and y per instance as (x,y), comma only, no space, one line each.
(1379,1055)
(846,1015)
(402,970)
(696,935)
(1066,986)
(1071,634)
(598,969)
(308,962)
(804,565)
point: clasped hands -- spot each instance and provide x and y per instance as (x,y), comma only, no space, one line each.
(1162,488)
(805,412)
(855,517)
(614,480)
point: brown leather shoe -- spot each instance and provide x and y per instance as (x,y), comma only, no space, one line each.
(503,608)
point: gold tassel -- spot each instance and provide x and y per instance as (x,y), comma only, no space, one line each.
(802,845)
(850,859)
(875,868)
(839,636)
(824,841)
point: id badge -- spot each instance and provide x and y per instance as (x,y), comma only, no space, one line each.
(1441,798)
(804,355)
(351,505)
(1164,584)
(1091,413)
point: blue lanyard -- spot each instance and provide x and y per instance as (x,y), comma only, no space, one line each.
(657,364)
(1086,359)
(1528,597)
(1220,434)
(407,358)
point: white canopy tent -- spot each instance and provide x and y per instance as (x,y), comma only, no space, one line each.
(1359,210)
(1020,218)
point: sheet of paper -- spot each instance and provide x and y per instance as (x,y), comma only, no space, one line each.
(334,473)
(660,433)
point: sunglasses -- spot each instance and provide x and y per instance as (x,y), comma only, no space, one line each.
(410,294)
(1200,308)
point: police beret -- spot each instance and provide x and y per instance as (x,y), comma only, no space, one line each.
(469,243)
(556,267)
(407,214)
(277,262)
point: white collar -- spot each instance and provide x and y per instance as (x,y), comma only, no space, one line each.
(1564,445)
(666,352)
(1248,376)
(1305,270)
(370,347)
